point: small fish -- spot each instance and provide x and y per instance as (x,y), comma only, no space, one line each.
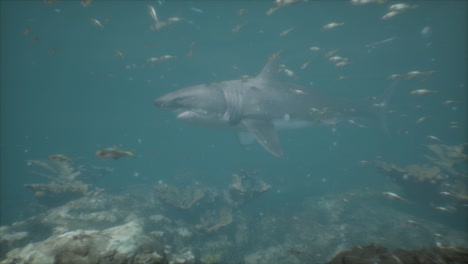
(413,74)
(330,53)
(118,53)
(36,39)
(442,209)
(423,92)
(52,52)
(287,2)
(314,48)
(449,102)
(175,19)
(342,63)
(59,157)
(288,72)
(420,120)
(411,222)
(332,25)
(113,153)
(27,30)
(158,26)
(153,14)
(238,27)
(161,58)
(433,138)
(400,7)
(295,218)
(191,53)
(426,32)
(446,194)
(241,12)
(86,3)
(297,91)
(96,22)
(197,10)
(394,196)
(295,251)
(390,15)
(303,66)
(166,57)
(337,59)
(272,10)
(286,31)
(367,2)
(394,77)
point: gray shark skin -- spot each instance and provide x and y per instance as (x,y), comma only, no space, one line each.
(259,105)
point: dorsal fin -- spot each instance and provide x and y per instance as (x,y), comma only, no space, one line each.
(271,70)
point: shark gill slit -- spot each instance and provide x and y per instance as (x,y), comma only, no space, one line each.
(233,106)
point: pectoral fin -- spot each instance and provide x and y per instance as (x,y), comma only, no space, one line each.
(245,137)
(265,133)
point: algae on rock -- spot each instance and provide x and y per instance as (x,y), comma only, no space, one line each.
(182,199)
(213,220)
(64,185)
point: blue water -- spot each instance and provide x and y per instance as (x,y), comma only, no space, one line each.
(68,93)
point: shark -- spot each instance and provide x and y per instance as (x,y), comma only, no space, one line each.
(258,107)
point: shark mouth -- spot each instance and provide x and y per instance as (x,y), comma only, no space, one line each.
(185,114)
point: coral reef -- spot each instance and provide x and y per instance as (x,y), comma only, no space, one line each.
(276,254)
(185,256)
(413,173)
(120,244)
(210,258)
(64,185)
(213,220)
(323,228)
(452,159)
(244,186)
(140,226)
(377,254)
(182,199)
(216,249)
(419,182)
(446,177)
(53,193)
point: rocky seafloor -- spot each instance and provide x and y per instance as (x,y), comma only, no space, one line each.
(203,224)
(141,227)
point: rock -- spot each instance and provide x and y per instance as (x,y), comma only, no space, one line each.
(376,254)
(277,254)
(212,220)
(185,256)
(120,244)
(244,187)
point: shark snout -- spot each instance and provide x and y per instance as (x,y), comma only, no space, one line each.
(162,103)
(158,101)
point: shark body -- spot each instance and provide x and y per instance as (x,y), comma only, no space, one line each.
(259,105)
